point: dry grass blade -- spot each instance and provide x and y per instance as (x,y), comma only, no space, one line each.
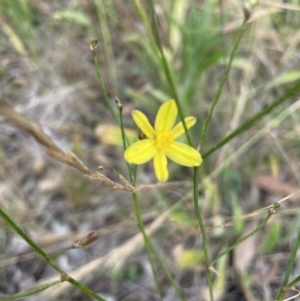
(54,151)
(108,182)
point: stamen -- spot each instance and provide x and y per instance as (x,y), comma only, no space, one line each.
(164,140)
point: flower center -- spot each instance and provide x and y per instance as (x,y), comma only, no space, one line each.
(164,140)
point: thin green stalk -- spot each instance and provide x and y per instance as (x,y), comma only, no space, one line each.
(99,75)
(64,276)
(120,108)
(166,271)
(30,292)
(100,79)
(289,267)
(203,233)
(295,281)
(196,169)
(84,289)
(149,247)
(146,241)
(223,81)
(62,251)
(107,43)
(166,69)
(248,123)
(146,24)
(132,177)
(261,225)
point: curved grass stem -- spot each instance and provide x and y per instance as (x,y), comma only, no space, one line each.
(100,79)
(196,169)
(166,271)
(223,81)
(29,292)
(64,276)
(248,123)
(261,225)
(203,232)
(166,68)
(120,108)
(147,242)
(289,267)
(107,43)
(131,173)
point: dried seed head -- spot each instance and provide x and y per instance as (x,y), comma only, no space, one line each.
(93,44)
(90,238)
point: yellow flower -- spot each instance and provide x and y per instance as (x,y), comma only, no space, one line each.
(160,143)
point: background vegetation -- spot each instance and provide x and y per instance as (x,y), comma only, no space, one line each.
(49,86)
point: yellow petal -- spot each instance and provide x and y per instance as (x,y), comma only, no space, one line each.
(140,152)
(161,166)
(166,116)
(178,130)
(183,154)
(143,123)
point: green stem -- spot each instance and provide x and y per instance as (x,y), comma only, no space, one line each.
(146,24)
(147,242)
(150,248)
(132,177)
(203,233)
(289,267)
(84,289)
(138,214)
(60,252)
(295,281)
(47,258)
(166,69)
(223,81)
(248,123)
(107,43)
(196,169)
(262,224)
(99,75)
(30,292)
(120,107)
(166,271)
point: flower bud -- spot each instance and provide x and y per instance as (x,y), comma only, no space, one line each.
(87,240)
